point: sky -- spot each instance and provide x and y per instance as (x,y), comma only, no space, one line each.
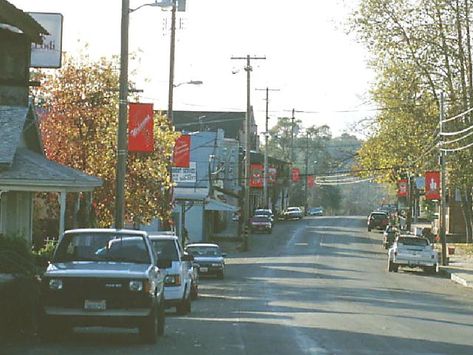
(312,63)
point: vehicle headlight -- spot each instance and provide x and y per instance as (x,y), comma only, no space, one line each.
(172,280)
(55,284)
(136,285)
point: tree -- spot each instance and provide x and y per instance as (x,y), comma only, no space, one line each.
(419,49)
(79,129)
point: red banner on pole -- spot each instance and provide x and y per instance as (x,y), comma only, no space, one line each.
(256,175)
(296,174)
(140,128)
(402,188)
(182,151)
(432,185)
(310,181)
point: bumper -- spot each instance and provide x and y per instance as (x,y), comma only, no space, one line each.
(414,263)
(173,294)
(210,270)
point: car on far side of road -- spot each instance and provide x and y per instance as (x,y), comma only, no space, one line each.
(209,258)
(377,220)
(315,211)
(293,213)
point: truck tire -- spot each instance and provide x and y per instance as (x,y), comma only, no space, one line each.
(161,318)
(149,328)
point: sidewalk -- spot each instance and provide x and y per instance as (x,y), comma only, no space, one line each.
(459,268)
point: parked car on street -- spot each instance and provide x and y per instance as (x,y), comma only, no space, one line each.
(412,251)
(377,220)
(293,213)
(315,211)
(209,258)
(389,235)
(103,277)
(178,281)
(261,223)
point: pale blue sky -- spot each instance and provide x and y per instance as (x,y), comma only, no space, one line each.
(317,67)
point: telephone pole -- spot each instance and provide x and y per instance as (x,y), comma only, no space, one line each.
(442,186)
(266,133)
(246,206)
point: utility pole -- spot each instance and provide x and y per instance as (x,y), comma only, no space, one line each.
(306,172)
(172,50)
(442,185)
(246,206)
(266,133)
(122,138)
(292,135)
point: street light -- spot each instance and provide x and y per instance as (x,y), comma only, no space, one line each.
(190,82)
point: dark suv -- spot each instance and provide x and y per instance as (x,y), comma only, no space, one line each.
(103,277)
(377,220)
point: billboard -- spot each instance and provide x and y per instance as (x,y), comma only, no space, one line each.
(48,53)
(183,175)
(140,128)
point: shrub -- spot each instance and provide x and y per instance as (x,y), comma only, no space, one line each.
(18,298)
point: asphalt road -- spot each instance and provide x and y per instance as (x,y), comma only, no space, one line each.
(316,286)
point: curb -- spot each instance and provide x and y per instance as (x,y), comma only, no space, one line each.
(455,277)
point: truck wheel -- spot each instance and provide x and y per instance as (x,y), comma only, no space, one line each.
(149,328)
(194,291)
(184,307)
(395,267)
(161,318)
(390,266)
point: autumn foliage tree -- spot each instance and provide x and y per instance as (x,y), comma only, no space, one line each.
(79,129)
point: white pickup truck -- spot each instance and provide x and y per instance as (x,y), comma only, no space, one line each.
(412,251)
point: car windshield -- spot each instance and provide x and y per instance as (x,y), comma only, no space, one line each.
(262,213)
(413,241)
(204,251)
(114,247)
(165,249)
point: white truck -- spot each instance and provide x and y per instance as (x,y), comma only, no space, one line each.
(412,251)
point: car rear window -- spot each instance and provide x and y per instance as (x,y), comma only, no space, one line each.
(165,249)
(413,241)
(204,251)
(379,216)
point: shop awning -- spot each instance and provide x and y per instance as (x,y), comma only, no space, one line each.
(214,205)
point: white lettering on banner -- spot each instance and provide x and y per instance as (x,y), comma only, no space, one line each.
(138,129)
(180,175)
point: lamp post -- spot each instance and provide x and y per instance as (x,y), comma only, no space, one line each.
(122,138)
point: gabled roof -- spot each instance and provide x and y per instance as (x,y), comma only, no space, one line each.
(12,121)
(192,121)
(12,16)
(31,171)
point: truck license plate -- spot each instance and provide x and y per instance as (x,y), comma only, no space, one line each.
(92,305)
(204,269)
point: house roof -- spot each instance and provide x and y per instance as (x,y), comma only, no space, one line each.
(230,122)
(31,171)
(12,121)
(13,16)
